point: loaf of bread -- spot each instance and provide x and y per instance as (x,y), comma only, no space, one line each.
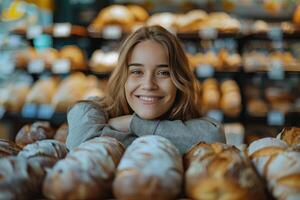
(87,172)
(31,133)
(61,133)
(210,94)
(22,175)
(75,55)
(291,135)
(42,91)
(296,17)
(231,101)
(151,168)
(278,161)
(104,61)
(8,148)
(219,171)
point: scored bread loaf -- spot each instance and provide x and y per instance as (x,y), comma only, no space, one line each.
(34,132)
(151,168)
(87,172)
(219,171)
(278,161)
(8,148)
(22,175)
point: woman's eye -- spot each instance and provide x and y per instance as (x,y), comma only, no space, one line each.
(136,72)
(164,73)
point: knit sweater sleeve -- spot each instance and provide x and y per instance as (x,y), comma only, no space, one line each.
(183,134)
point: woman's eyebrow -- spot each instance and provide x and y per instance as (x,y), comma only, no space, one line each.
(163,65)
(135,64)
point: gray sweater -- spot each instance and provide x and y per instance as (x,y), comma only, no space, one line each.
(86,120)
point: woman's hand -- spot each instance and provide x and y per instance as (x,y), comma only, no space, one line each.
(121,123)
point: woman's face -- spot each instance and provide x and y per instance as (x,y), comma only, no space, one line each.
(149,89)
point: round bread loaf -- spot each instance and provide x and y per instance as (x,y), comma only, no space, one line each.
(151,168)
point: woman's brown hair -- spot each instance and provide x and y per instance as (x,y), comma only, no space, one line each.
(186,104)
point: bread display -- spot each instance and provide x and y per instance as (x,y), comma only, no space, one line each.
(210,95)
(164,19)
(61,133)
(278,161)
(49,56)
(75,55)
(13,96)
(257,107)
(8,148)
(219,171)
(72,89)
(42,91)
(296,17)
(231,100)
(22,175)
(103,61)
(87,172)
(31,133)
(151,168)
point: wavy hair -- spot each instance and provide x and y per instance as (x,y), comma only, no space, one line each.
(186,105)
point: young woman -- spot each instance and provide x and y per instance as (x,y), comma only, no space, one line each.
(152,91)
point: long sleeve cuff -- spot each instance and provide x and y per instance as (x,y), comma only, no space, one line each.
(141,127)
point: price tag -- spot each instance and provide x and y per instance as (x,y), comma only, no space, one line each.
(216,114)
(112,32)
(34,31)
(62,30)
(276,71)
(275,33)
(7,66)
(205,71)
(36,66)
(61,66)
(208,33)
(2,112)
(42,41)
(29,110)
(45,111)
(276,118)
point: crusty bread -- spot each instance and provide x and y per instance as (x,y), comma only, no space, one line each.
(31,133)
(8,148)
(219,171)
(87,172)
(151,168)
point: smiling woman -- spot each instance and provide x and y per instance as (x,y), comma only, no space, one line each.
(151,91)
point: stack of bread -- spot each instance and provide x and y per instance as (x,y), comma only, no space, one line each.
(211,95)
(87,172)
(31,133)
(151,168)
(73,88)
(42,91)
(219,171)
(231,100)
(12,96)
(278,161)
(22,175)
(103,61)
(49,55)
(125,17)
(221,61)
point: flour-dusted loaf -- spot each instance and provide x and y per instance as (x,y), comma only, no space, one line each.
(8,148)
(278,161)
(151,168)
(220,171)
(31,133)
(87,172)
(22,175)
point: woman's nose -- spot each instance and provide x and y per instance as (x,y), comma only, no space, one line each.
(149,82)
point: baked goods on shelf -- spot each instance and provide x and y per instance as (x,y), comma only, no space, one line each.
(103,61)
(42,91)
(210,95)
(164,19)
(75,55)
(8,148)
(151,168)
(220,171)
(296,17)
(31,133)
(87,172)
(278,161)
(231,100)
